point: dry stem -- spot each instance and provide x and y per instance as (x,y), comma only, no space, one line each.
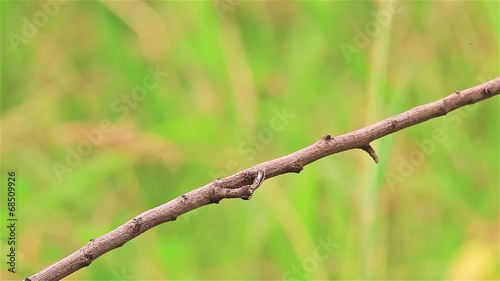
(244,183)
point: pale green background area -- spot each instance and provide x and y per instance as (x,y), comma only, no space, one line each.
(231,67)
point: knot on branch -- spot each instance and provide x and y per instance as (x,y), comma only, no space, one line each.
(136,224)
(88,258)
(296,168)
(257,181)
(446,106)
(393,123)
(214,197)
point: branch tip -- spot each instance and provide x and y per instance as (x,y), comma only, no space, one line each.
(369,149)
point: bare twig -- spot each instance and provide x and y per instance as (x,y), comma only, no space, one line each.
(243,184)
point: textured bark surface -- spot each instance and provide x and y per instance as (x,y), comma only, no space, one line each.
(243,184)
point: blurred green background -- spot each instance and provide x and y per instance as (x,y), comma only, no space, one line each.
(111,108)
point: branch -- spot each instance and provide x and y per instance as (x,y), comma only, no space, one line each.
(243,184)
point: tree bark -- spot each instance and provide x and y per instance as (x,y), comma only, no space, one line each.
(244,183)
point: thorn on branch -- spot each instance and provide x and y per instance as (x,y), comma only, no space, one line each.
(327,138)
(369,149)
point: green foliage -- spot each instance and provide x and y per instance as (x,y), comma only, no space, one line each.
(429,210)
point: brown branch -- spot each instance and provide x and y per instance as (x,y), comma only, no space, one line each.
(244,183)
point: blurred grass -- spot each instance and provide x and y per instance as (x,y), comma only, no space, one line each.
(228,74)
